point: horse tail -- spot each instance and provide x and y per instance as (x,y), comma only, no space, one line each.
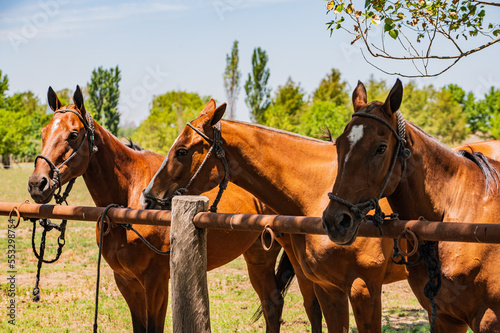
(284,276)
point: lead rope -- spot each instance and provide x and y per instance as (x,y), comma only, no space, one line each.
(101,238)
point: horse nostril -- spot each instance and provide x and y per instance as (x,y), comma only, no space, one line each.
(43,184)
(345,222)
(147,204)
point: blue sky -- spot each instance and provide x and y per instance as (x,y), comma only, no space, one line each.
(174,44)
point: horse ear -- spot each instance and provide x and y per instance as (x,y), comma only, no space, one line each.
(78,100)
(209,108)
(54,101)
(359,96)
(394,99)
(218,114)
(211,114)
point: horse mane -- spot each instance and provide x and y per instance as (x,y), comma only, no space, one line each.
(326,135)
(274,130)
(490,173)
(132,145)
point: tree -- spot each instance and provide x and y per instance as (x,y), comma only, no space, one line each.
(332,89)
(104,93)
(322,115)
(330,107)
(65,96)
(491,106)
(232,79)
(258,94)
(436,111)
(21,119)
(458,25)
(159,131)
(286,107)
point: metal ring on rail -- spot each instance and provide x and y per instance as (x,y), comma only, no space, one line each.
(267,229)
(414,237)
(16,209)
(106,221)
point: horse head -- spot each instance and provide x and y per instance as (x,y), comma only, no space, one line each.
(193,165)
(68,142)
(369,163)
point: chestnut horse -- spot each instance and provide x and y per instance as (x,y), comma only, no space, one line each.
(291,174)
(117,174)
(428,179)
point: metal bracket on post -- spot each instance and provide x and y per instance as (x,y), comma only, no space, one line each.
(188,267)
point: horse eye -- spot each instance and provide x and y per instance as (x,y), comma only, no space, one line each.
(181,152)
(381,149)
(73,136)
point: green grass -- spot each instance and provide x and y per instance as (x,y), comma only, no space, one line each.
(68,286)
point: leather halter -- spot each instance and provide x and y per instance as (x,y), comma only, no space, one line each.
(215,145)
(88,123)
(362,208)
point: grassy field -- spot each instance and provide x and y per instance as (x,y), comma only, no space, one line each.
(68,286)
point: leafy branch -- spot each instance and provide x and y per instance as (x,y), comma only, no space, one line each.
(415,27)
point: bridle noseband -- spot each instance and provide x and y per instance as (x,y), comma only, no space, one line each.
(362,208)
(215,145)
(88,123)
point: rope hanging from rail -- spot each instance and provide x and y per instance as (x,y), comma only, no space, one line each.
(427,254)
(101,239)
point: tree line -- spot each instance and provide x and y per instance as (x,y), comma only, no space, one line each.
(449,112)
(23,115)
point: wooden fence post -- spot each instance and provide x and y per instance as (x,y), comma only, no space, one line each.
(188,267)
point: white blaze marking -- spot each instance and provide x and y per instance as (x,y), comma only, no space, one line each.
(354,136)
(56,124)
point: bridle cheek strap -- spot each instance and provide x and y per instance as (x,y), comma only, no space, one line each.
(362,208)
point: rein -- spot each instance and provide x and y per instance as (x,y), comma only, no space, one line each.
(215,145)
(362,208)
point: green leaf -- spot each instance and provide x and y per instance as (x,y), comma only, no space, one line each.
(394,33)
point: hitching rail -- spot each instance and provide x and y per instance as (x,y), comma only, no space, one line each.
(82,213)
(425,230)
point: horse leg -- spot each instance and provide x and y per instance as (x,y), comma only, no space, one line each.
(133,292)
(157,300)
(306,286)
(366,302)
(261,265)
(335,308)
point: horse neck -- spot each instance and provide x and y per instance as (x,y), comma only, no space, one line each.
(433,185)
(109,177)
(290,174)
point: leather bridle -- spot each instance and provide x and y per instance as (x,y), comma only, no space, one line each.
(362,208)
(88,123)
(215,145)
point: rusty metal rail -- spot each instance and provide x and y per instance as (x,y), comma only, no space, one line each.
(425,230)
(82,213)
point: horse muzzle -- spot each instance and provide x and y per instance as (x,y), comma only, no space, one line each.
(41,188)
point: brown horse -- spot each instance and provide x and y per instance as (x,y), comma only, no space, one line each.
(428,179)
(117,174)
(291,174)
